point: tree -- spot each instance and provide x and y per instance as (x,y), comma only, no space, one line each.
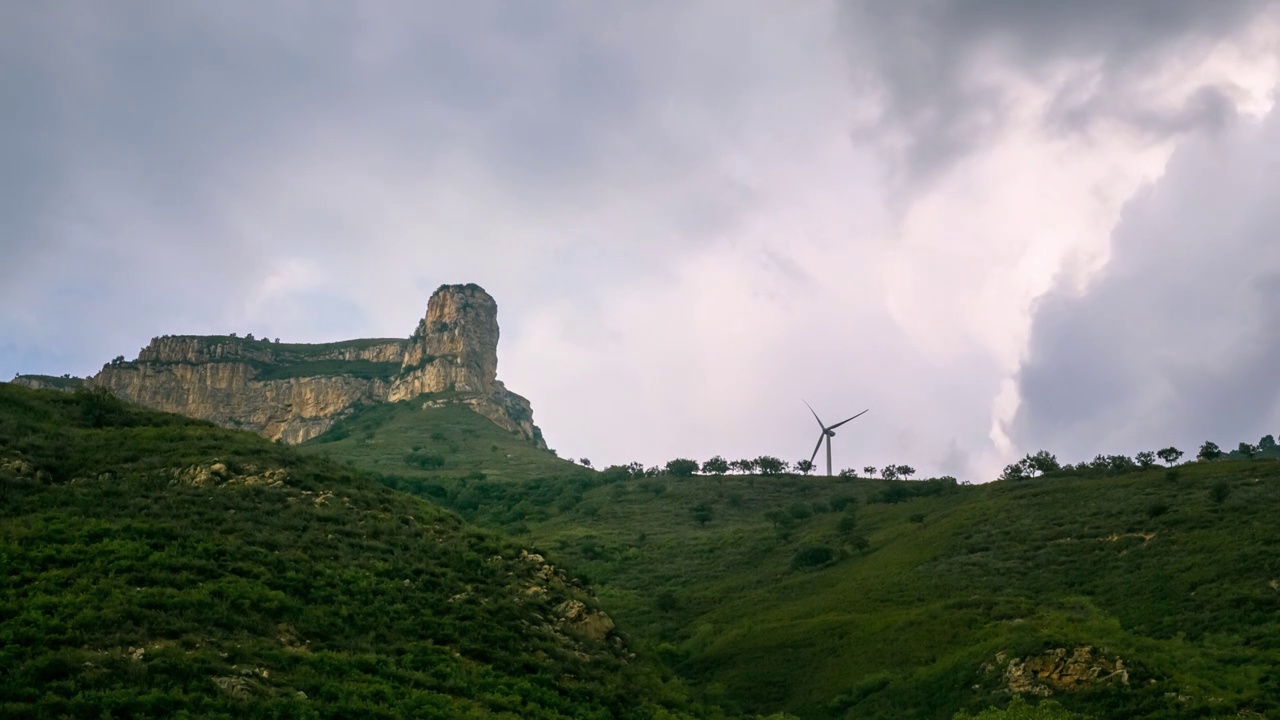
(889,472)
(681,467)
(584,462)
(905,471)
(744,466)
(1146,459)
(1246,450)
(1170,454)
(1014,471)
(804,467)
(1120,464)
(870,471)
(1209,451)
(770,465)
(716,466)
(1042,462)
(1267,445)
(848,473)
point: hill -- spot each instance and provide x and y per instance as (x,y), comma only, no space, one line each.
(1152,594)
(159,566)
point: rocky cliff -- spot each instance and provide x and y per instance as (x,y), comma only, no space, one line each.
(294,392)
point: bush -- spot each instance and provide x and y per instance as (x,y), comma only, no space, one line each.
(847,524)
(424,461)
(701,513)
(838,504)
(918,518)
(816,556)
(1155,510)
(799,511)
(1219,492)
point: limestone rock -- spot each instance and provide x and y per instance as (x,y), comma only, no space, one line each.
(293,393)
(580,619)
(1062,670)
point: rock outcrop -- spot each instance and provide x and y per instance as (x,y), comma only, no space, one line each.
(294,392)
(1060,670)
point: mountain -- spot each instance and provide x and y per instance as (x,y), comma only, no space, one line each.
(153,565)
(295,392)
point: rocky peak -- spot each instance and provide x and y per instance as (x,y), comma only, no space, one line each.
(296,391)
(461,328)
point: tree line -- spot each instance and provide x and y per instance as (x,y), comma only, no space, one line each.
(1043,463)
(762,465)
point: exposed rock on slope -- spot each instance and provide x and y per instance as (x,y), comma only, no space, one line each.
(294,392)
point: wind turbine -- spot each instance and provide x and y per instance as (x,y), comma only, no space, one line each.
(827,433)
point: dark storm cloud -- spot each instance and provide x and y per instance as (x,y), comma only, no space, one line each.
(1178,340)
(927,57)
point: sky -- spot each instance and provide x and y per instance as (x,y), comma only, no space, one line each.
(1000,225)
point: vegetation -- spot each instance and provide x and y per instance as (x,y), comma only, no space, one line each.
(156,566)
(927,582)
(743,587)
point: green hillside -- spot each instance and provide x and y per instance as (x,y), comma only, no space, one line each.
(409,443)
(156,566)
(836,598)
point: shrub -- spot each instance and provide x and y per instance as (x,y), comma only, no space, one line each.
(816,556)
(1155,510)
(1219,492)
(701,513)
(666,601)
(424,461)
(918,518)
(838,504)
(799,511)
(847,524)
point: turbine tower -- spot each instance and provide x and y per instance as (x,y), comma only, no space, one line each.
(828,432)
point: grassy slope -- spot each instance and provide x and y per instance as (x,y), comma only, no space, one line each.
(904,629)
(1012,568)
(382,437)
(128,591)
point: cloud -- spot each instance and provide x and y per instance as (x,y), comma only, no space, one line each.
(1174,342)
(941,68)
(691,214)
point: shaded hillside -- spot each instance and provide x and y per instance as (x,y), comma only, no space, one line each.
(1149,595)
(155,566)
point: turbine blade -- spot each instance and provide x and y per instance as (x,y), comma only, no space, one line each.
(815,414)
(816,447)
(855,417)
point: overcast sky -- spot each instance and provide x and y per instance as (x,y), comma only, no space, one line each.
(1001,225)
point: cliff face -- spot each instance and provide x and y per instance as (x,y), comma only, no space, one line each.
(295,392)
